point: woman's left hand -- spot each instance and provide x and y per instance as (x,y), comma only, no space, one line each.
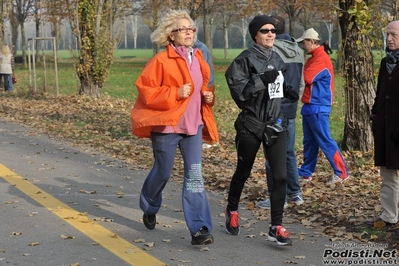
(208,96)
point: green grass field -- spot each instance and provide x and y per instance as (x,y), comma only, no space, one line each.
(124,72)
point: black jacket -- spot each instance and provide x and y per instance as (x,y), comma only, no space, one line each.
(247,89)
(385,112)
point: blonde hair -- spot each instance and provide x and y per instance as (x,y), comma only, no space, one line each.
(168,23)
(5,50)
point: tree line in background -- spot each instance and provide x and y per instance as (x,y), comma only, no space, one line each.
(96,27)
(223,24)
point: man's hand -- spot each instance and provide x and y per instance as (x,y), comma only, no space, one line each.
(290,93)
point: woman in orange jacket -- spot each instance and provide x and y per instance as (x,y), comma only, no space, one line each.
(174,109)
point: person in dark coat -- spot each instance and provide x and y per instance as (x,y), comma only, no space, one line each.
(385,127)
(256,84)
(292,55)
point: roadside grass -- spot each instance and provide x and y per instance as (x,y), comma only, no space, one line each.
(370,231)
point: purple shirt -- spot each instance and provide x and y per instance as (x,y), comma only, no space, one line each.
(191,119)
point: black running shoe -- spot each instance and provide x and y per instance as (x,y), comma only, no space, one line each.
(232,222)
(202,237)
(149,220)
(280,235)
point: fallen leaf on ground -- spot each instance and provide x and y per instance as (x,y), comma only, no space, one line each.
(67,237)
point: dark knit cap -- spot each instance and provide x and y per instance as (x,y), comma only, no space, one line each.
(257,23)
(280,24)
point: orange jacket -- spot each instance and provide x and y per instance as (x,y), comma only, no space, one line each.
(158,103)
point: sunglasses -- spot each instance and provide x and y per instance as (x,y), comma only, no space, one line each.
(185,30)
(266,31)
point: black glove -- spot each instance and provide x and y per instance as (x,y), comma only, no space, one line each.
(290,93)
(268,76)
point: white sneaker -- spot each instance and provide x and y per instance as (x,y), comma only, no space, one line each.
(298,200)
(207,146)
(336,179)
(266,204)
(305,178)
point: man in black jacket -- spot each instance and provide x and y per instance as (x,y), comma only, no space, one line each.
(385,127)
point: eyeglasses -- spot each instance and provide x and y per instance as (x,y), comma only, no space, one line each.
(266,31)
(185,30)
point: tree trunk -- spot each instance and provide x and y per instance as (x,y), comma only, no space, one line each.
(226,42)
(2,24)
(207,25)
(135,30)
(358,82)
(14,33)
(96,46)
(89,87)
(339,61)
(23,45)
(244,27)
(155,48)
(56,33)
(38,32)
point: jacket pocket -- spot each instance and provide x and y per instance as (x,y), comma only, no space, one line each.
(260,129)
(254,125)
(270,136)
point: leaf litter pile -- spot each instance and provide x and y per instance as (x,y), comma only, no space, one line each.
(338,212)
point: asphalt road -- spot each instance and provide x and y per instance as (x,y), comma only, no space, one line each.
(62,205)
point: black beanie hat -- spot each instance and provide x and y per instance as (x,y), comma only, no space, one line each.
(280,24)
(257,23)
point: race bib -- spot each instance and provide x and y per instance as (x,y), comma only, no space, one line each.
(276,88)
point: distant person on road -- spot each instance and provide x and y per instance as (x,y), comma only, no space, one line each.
(327,47)
(292,55)
(174,109)
(6,68)
(257,86)
(317,100)
(385,127)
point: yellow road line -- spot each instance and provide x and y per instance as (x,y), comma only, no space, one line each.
(115,244)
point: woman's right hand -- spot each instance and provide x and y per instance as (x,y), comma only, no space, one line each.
(269,76)
(184,91)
